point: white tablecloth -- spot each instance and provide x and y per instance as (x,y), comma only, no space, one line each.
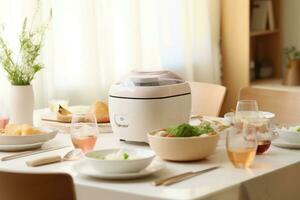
(275,175)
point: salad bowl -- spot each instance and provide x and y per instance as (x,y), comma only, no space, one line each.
(183,148)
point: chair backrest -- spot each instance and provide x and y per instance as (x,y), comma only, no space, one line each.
(27,186)
(285,104)
(207,98)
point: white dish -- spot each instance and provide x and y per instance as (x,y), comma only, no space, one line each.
(29,139)
(85,169)
(142,158)
(20,147)
(230,115)
(289,136)
(284,144)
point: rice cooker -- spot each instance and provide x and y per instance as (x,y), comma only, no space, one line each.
(148,100)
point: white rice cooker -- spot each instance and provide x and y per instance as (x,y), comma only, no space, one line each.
(148,100)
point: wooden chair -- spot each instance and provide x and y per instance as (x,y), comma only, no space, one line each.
(207,98)
(25,186)
(285,104)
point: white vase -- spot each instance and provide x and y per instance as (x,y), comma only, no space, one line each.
(21,104)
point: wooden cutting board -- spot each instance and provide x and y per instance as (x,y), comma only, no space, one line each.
(50,120)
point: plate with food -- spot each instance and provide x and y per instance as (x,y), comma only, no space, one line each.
(64,115)
(184,142)
(289,133)
(14,134)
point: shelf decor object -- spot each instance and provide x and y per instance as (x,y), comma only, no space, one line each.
(292,74)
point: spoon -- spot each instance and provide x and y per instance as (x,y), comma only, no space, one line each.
(72,155)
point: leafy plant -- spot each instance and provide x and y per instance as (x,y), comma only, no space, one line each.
(291,53)
(22,69)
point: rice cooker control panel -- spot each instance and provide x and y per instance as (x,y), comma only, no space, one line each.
(121,121)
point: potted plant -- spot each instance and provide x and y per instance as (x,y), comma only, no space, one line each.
(21,68)
(292,74)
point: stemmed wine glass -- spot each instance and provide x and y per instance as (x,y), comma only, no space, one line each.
(246,109)
(84,131)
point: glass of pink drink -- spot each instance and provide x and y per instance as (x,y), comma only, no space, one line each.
(3,122)
(84,131)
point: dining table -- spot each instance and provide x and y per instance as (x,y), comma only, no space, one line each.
(273,175)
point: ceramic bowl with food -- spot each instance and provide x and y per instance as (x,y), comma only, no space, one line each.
(184,142)
(25,134)
(119,160)
(290,134)
(229,117)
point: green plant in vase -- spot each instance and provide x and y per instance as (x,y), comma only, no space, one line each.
(292,73)
(22,66)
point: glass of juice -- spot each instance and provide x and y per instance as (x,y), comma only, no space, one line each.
(241,145)
(84,131)
(264,133)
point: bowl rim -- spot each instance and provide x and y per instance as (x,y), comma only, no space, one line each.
(109,149)
(150,134)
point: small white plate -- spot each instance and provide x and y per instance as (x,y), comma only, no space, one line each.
(230,115)
(85,169)
(20,147)
(283,144)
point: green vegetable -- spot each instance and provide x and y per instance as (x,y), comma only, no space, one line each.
(186,130)
(298,130)
(125,156)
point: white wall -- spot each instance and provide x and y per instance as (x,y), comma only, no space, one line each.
(291,23)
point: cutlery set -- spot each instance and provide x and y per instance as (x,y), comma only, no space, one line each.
(30,153)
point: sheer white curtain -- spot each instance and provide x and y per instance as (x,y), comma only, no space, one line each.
(90,44)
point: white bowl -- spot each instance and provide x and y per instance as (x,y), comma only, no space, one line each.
(289,136)
(28,139)
(230,116)
(142,159)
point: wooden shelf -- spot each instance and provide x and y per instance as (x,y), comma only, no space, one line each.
(273,84)
(261,33)
(267,81)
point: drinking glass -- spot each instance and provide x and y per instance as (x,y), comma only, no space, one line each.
(84,131)
(4,119)
(264,133)
(246,109)
(241,145)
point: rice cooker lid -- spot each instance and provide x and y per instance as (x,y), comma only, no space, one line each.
(150,84)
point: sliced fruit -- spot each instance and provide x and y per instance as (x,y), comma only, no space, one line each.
(63,111)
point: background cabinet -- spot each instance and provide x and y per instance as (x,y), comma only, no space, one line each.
(241,47)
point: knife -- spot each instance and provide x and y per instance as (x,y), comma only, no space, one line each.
(29,153)
(181,177)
